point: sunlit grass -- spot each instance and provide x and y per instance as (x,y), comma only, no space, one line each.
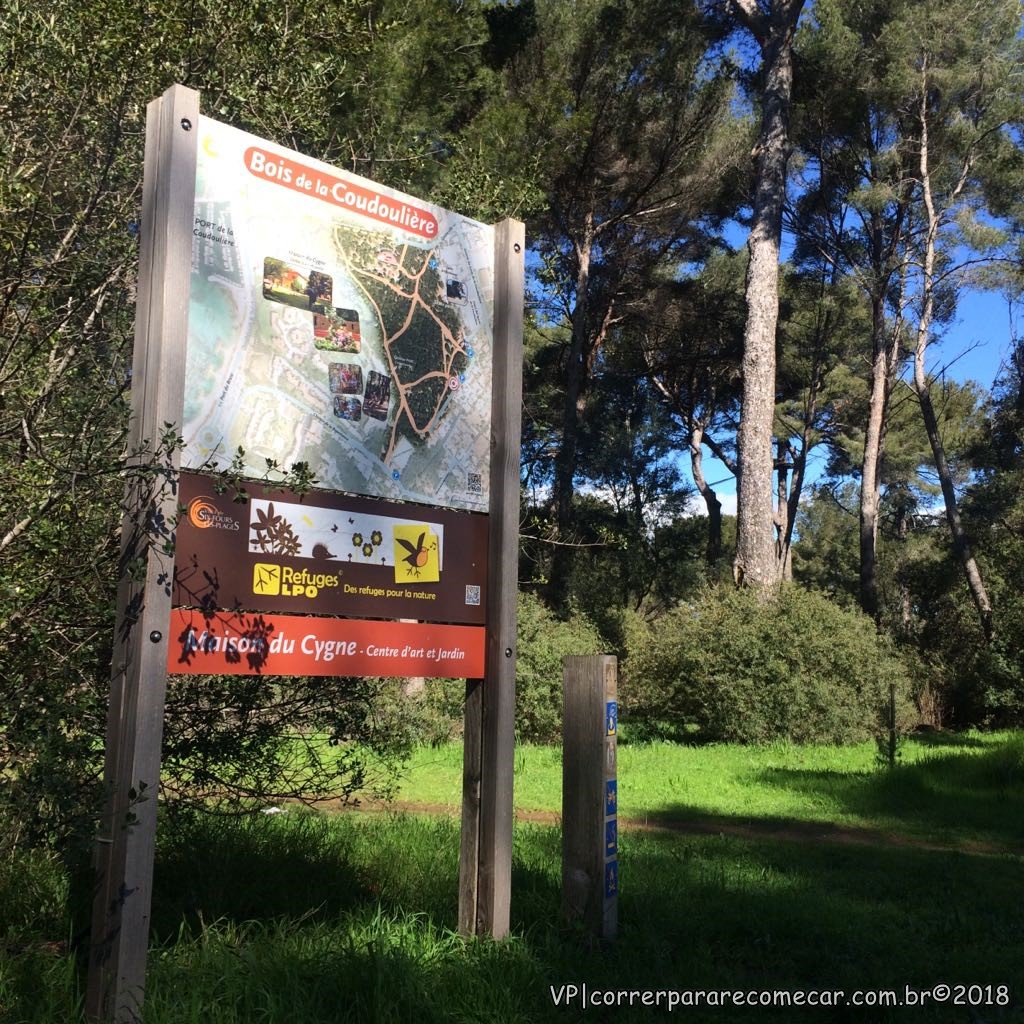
(946,788)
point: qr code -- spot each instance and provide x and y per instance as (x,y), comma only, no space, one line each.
(472,594)
(473,483)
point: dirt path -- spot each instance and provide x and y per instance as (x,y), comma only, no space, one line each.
(786,831)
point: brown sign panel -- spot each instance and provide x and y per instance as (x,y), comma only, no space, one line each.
(328,554)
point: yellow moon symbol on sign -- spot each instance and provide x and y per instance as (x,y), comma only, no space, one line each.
(208,147)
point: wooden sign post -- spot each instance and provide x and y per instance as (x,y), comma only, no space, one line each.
(208,205)
(485,860)
(127,836)
(590,841)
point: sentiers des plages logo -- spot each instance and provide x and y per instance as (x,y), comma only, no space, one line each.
(203,514)
(271,580)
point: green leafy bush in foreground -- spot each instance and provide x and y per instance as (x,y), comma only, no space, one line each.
(749,670)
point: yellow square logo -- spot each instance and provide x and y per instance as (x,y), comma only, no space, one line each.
(266,579)
(416,558)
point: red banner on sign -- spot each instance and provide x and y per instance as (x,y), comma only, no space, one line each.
(232,643)
(341,192)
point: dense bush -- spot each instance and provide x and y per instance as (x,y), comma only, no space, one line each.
(544,641)
(434,714)
(749,670)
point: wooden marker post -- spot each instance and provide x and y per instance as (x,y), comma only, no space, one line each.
(485,858)
(590,840)
(125,844)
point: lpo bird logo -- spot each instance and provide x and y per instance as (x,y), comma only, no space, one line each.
(416,555)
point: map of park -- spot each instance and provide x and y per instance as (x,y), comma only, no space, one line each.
(421,332)
(314,337)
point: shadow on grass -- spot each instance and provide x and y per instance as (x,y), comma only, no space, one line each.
(948,739)
(331,919)
(258,868)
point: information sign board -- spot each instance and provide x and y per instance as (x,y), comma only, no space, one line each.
(336,322)
(289,312)
(235,643)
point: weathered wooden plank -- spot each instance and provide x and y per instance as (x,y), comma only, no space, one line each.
(493,826)
(125,846)
(589,735)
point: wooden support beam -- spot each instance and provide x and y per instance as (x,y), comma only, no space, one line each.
(126,840)
(485,869)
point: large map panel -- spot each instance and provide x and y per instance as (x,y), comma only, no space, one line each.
(336,322)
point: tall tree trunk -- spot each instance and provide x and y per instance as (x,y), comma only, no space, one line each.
(755,563)
(902,535)
(961,544)
(871,472)
(565,462)
(885,364)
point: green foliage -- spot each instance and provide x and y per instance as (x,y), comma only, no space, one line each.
(384,89)
(987,681)
(752,670)
(637,566)
(996,511)
(638,159)
(544,641)
(825,556)
(34,889)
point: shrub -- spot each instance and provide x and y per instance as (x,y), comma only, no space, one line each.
(435,714)
(750,670)
(543,641)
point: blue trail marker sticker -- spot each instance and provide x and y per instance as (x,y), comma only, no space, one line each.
(611,717)
(611,837)
(611,797)
(611,879)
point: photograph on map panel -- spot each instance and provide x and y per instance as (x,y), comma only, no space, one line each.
(337,331)
(345,378)
(348,408)
(294,286)
(378,395)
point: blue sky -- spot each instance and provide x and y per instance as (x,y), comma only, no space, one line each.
(983,319)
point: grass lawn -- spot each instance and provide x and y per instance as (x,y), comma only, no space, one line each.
(322,918)
(947,788)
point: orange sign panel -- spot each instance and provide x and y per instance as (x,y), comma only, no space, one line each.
(234,643)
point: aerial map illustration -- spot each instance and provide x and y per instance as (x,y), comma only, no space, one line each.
(339,323)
